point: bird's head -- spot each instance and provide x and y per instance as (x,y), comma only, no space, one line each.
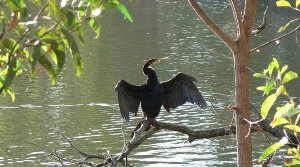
(147,68)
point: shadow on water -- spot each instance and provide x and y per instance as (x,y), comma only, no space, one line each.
(86,109)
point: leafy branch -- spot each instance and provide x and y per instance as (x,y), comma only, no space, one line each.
(286,115)
(26,44)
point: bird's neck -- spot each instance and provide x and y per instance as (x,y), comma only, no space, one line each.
(152,79)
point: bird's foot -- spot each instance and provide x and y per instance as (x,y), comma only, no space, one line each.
(152,121)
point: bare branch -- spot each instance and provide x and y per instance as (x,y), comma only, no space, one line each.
(249,16)
(87,156)
(237,17)
(41,11)
(213,26)
(274,40)
(262,25)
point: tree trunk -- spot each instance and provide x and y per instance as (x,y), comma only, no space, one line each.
(240,48)
(244,146)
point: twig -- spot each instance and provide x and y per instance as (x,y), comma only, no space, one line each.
(124,146)
(275,39)
(262,25)
(251,124)
(87,156)
(40,12)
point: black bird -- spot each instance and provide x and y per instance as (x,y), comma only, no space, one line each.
(153,94)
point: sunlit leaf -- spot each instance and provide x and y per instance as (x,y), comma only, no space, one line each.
(278,121)
(73,25)
(289,76)
(297,3)
(271,67)
(266,89)
(283,69)
(276,64)
(272,148)
(281,90)
(19,5)
(48,67)
(82,8)
(297,119)
(283,3)
(74,51)
(294,128)
(60,58)
(10,44)
(69,20)
(285,109)
(95,26)
(281,29)
(291,162)
(267,104)
(36,51)
(293,152)
(12,94)
(259,75)
(11,72)
(125,12)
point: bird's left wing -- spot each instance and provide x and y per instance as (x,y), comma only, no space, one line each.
(128,97)
(181,89)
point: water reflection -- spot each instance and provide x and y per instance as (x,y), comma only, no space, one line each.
(86,109)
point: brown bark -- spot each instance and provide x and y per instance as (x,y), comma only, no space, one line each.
(241,51)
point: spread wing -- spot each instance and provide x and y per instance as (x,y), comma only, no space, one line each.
(181,89)
(128,97)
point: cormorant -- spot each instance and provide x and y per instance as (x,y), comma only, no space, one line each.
(153,94)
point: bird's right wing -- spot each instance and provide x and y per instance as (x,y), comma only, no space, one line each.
(181,89)
(128,97)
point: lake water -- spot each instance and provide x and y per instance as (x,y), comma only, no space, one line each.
(85,108)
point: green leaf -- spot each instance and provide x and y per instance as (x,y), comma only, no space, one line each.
(11,72)
(48,67)
(36,51)
(267,104)
(281,90)
(125,12)
(283,69)
(95,26)
(17,5)
(74,51)
(291,162)
(259,75)
(265,89)
(60,58)
(12,94)
(285,109)
(283,3)
(282,28)
(278,121)
(272,148)
(294,128)
(289,76)
(73,24)
(297,119)
(271,68)
(293,151)
(10,44)
(276,64)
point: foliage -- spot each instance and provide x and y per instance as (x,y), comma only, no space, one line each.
(287,114)
(28,39)
(285,3)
